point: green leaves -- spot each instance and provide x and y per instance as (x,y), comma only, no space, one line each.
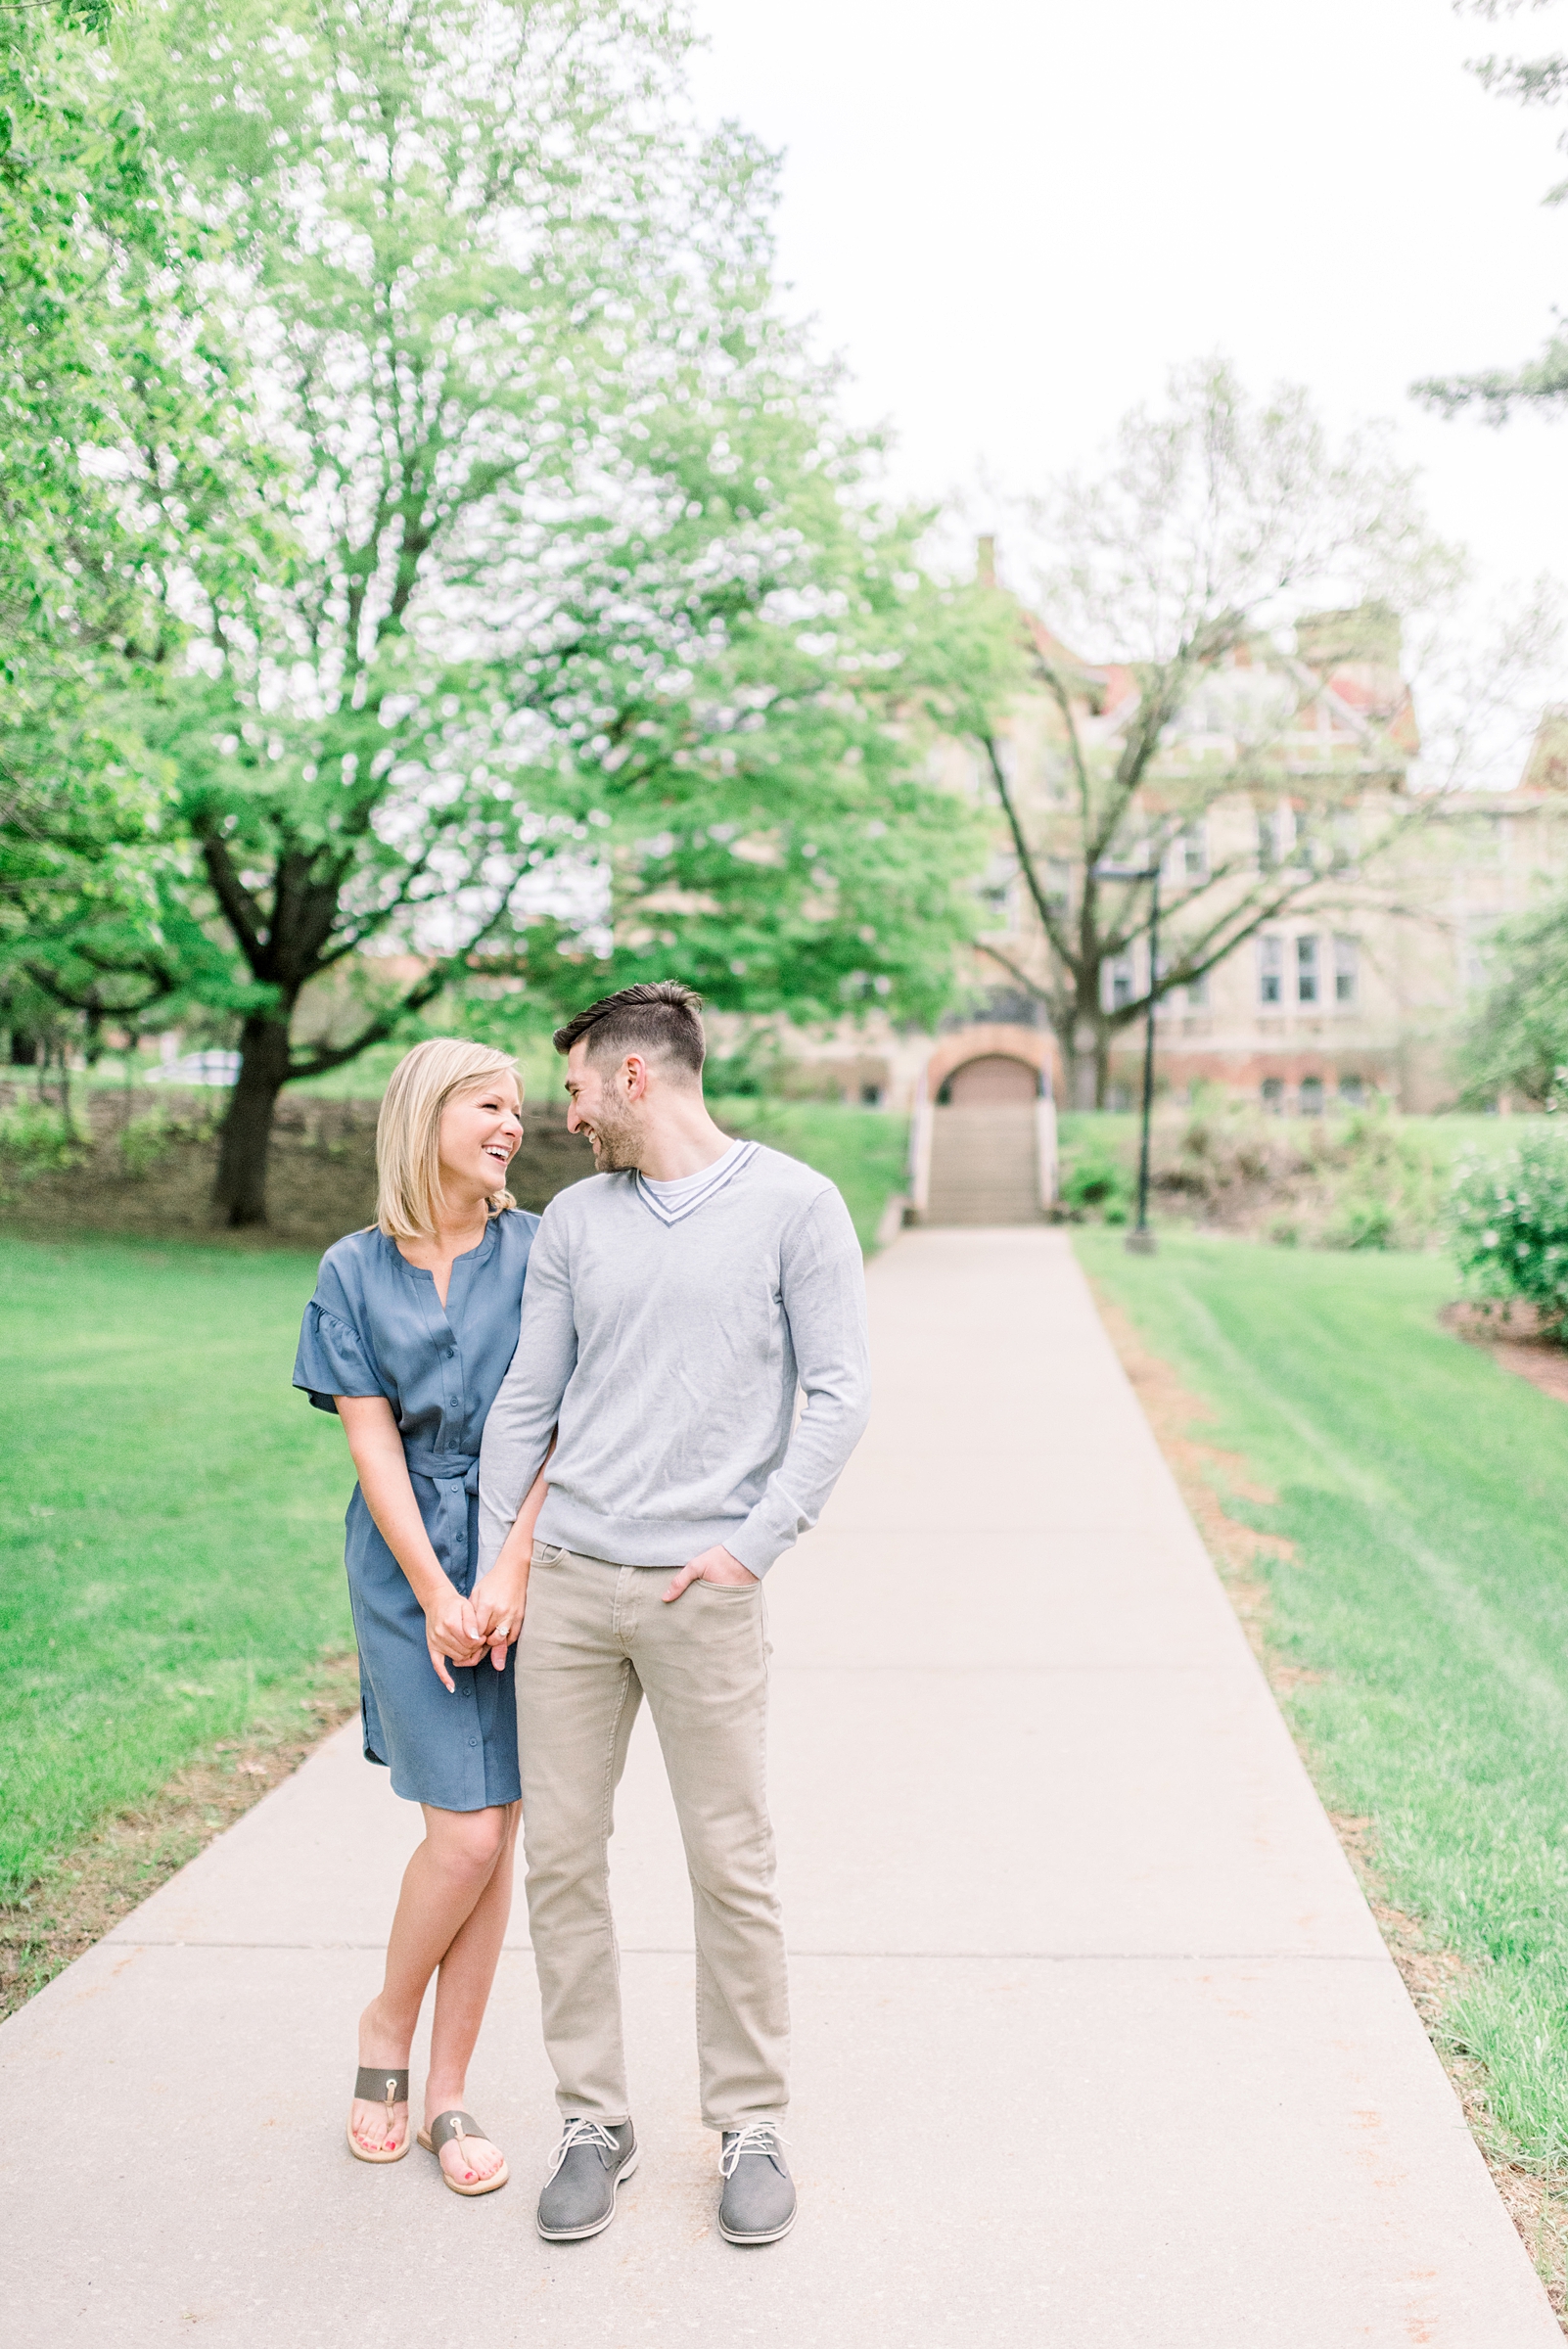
(1510,1227)
(1516,1035)
(503,601)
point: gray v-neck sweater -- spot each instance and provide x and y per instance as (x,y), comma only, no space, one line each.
(670,1356)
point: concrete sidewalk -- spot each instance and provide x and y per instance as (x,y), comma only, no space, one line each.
(1096,2043)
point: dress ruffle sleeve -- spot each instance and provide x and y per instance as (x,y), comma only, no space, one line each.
(332,1358)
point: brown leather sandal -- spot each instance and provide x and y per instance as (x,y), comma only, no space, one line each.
(450,2128)
(374,2083)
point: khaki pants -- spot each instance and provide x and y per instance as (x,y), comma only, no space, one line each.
(596,1637)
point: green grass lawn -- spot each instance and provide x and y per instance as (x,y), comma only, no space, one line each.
(171,1515)
(1426,1493)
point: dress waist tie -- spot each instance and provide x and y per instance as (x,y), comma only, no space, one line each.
(454,1475)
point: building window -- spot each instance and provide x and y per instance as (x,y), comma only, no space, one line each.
(1311,1097)
(1121,982)
(1198,992)
(1272,1092)
(1346,970)
(1351,1091)
(1268,840)
(996,891)
(1301,841)
(1058,884)
(1306,970)
(1270,970)
(1194,852)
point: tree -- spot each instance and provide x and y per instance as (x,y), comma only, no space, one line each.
(748,713)
(1516,1036)
(1239,563)
(85,240)
(116,389)
(1541,383)
(585,636)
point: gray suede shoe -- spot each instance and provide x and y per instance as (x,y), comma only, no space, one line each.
(579,2194)
(759,2199)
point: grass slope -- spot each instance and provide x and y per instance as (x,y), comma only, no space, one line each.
(864,1151)
(1426,1494)
(170,1523)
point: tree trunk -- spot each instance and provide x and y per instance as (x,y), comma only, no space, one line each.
(240,1193)
(1086,1065)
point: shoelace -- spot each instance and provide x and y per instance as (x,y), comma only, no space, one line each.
(583,2133)
(758,2137)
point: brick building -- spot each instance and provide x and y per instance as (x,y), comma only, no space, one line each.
(1356,990)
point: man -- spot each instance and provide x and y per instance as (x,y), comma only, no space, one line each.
(674,1306)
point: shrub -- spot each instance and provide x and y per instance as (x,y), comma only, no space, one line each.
(1356,1179)
(1362,1223)
(1095,1181)
(1509,1226)
(36,1138)
(145,1142)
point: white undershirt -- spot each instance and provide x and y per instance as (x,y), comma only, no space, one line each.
(670,1200)
(673,1193)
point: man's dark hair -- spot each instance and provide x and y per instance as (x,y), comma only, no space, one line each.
(660,1017)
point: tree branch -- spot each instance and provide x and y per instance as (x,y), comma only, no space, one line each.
(241,908)
(1026,856)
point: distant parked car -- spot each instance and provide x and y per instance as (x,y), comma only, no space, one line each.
(197,1068)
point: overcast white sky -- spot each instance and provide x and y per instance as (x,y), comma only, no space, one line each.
(1011,216)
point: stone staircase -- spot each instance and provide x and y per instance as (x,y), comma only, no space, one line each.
(985,1166)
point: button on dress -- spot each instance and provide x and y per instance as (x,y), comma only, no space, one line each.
(376,1326)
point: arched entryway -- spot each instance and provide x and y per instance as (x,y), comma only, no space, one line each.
(991,1081)
(985,1129)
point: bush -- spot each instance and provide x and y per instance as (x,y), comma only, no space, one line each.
(1095,1182)
(1355,1178)
(1364,1223)
(36,1138)
(1510,1223)
(146,1141)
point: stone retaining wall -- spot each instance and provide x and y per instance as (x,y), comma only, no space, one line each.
(148,1168)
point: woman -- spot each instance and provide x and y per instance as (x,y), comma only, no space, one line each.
(407,1338)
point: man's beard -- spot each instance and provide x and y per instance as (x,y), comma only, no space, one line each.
(620,1145)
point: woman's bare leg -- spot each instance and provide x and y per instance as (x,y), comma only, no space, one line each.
(463,1985)
(446,1877)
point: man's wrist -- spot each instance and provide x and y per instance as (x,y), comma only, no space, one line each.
(755,1572)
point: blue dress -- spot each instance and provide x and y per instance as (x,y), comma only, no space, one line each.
(375,1326)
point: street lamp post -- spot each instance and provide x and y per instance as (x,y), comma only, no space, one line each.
(1141,1239)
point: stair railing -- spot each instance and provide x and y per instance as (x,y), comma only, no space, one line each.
(1046,1145)
(922,1127)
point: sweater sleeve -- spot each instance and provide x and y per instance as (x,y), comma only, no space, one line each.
(822,1284)
(523,1417)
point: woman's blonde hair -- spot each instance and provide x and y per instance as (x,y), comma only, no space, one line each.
(408,1131)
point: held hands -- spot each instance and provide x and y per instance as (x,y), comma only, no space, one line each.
(452,1634)
(498,1601)
(714,1565)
